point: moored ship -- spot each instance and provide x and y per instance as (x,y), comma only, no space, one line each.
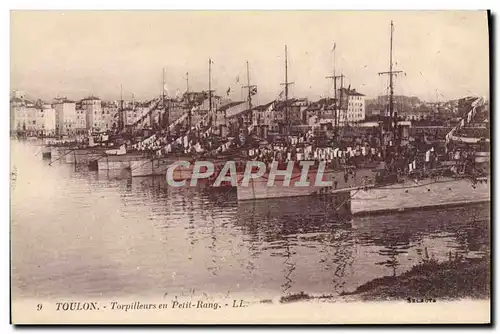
(409,194)
(463,179)
(340,181)
(457,176)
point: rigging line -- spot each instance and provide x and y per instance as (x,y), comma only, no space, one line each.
(62,156)
(147,161)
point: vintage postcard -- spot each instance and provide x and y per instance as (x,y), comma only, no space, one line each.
(250,167)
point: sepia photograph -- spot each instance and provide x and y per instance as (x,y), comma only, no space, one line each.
(250,167)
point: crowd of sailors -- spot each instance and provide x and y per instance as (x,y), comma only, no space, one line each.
(195,141)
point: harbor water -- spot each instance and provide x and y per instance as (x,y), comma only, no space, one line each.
(76,232)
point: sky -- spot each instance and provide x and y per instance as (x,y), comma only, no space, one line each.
(444,54)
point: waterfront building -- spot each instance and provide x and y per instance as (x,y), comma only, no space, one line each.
(262,114)
(296,109)
(16,112)
(109,116)
(66,120)
(133,112)
(130,115)
(32,116)
(22,117)
(93,111)
(47,119)
(353,106)
(81,118)
(322,111)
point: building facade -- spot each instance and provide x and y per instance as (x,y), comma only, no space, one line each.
(93,111)
(81,118)
(36,117)
(353,107)
(48,119)
(109,116)
(66,120)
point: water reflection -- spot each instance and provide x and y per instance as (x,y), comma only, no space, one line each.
(103,232)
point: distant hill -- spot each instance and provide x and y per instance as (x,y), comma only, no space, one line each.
(412,101)
(401,104)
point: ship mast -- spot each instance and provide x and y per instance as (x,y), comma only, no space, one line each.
(250,88)
(209,84)
(163,98)
(286,84)
(391,75)
(335,77)
(186,102)
(341,77)
(210,62)
(121,121)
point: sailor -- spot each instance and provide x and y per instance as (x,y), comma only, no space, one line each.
(428,156)
(299,156)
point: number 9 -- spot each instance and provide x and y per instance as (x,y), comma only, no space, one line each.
(39,307)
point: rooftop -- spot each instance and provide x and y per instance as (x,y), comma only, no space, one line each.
(263,107)
(62,100)
(351,92)
(91,98)
(230,105)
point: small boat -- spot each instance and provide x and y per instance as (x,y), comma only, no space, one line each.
(84,155)
(46,152)
(118,162)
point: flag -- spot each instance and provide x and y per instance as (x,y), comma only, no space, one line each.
(237,79)
(334,46)
(253,90)
(210,61)
(270,108)
(228,91)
